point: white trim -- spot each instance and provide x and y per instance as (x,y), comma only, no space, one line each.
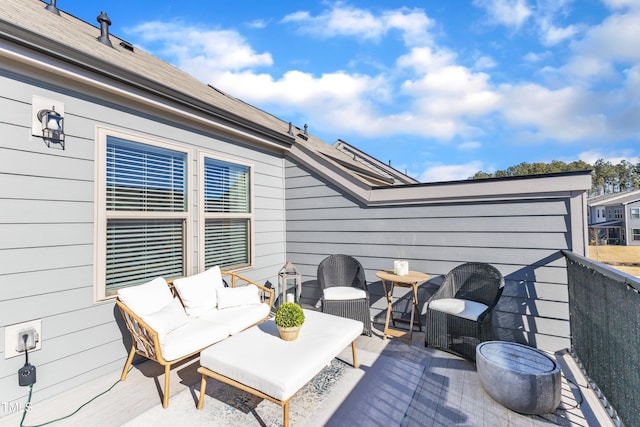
(100,212)
(202,216)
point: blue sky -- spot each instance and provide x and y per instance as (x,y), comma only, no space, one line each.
(442,89)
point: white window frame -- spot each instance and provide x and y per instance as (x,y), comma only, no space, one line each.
(203,216)
(102,215)
(635,213)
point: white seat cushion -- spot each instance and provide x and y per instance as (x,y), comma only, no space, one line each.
(167,319)
(237,318)
(241,295)
(260,359)
(196,334)
(343,293)
(198,292)
(146,298)
(466,309)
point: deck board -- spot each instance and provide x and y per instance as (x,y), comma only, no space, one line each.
(448,393)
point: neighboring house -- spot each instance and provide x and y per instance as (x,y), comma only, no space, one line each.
(615,218)
(160,174)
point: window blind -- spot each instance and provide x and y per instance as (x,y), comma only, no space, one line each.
(142,179)
(226,200)
(226,187)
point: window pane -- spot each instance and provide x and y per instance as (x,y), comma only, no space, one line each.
(226,187)
(142,177)
(226,243)
(139,250)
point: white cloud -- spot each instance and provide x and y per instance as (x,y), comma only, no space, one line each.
(440,173)
(567,114)
(343,20)
(201,51)
(469,146)
(614,157)
(510,13)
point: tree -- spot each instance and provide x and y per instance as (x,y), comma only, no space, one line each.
(606,177)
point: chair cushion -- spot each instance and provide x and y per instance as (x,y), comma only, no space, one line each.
(343,293)
(198,292)
(237,318)
(233,297)
(146,298)
(167,319)
(466,309)
(191,337)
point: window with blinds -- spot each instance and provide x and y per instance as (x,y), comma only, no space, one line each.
(228,214)
(146,212)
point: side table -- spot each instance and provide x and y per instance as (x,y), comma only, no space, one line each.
(410,280)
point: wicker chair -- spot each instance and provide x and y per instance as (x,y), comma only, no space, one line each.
(459,315)
(344,289)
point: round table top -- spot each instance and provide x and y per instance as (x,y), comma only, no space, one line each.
(411,277)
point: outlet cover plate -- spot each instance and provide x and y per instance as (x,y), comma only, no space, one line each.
(11,337)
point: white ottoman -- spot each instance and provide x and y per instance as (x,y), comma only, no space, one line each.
(258,361)
(521,378)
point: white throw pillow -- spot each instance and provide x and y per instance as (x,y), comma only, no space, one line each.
(198,292)
(167,319)
(338,293)
(242,295)
(146,298)
(466,309)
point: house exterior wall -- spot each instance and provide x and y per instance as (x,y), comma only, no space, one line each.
(521,236)
(632,223)
(47,225)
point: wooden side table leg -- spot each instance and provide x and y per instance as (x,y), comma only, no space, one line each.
(413,308)
(386,322)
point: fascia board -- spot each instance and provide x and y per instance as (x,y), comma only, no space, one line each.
(536,187)
(548,186)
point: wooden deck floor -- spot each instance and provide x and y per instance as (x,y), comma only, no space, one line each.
(447,393)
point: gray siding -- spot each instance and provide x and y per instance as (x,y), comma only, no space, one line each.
(47,230)
(522,237)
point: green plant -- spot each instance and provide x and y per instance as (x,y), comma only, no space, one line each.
(289,315)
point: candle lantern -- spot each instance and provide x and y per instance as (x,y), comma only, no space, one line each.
(290,283)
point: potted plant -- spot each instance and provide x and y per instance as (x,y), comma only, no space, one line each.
(289,319)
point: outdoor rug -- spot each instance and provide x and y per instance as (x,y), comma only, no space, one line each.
(382,387)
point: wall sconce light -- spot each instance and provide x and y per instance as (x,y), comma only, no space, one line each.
(52,126)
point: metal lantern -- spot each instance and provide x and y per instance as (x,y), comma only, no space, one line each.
(290,281)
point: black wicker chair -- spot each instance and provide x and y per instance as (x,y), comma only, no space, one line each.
(338,275)
(459,315)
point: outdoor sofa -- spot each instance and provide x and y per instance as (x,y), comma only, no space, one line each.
(172,321)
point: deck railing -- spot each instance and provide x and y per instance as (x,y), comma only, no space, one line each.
(604,306)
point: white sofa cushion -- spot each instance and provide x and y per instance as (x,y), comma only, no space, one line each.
(191,337)
(198,292)
(241,295)
(466,309)
(146,298)
(343,293)
(167,319)
(237,318)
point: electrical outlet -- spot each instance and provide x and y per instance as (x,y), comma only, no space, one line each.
(14,343)
(27,339)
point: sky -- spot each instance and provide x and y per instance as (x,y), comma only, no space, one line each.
(440,89)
